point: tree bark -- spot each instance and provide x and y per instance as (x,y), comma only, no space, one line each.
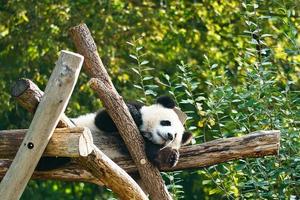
(258,144)
(119,112)
(53,103)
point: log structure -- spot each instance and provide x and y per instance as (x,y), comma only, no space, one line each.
(91,164)
(118,111)
(53,103)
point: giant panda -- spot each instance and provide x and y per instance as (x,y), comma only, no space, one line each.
(158,123)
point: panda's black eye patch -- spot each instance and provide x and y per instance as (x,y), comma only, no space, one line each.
(165,123)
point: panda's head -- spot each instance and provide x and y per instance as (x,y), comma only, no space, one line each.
(161,125)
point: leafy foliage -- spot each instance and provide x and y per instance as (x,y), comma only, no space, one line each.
(232,66)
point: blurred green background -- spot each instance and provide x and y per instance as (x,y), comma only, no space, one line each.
(232,66)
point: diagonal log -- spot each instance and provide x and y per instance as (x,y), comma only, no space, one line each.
(53,103)
(119,112)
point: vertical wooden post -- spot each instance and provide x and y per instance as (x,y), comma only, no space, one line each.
(53,104)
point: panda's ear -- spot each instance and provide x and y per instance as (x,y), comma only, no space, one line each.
(186,138)
(166,101)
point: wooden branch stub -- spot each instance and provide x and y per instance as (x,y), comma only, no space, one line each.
(118,111)
(53,103)
(30,93)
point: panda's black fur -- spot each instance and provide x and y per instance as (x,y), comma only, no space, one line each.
(163,132)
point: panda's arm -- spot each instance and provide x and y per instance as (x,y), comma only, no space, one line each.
(152,151)
(104,122)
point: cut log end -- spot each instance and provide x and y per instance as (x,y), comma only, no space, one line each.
(85,143)
(20,87)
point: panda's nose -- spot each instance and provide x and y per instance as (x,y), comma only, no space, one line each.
(170,136)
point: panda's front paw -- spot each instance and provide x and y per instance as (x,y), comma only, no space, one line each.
(173,158)
(167,157)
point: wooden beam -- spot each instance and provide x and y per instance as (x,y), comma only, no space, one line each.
(258,144)
(118,111)
(52,105)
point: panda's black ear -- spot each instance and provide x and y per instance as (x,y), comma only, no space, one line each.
(186,138)
(166,101)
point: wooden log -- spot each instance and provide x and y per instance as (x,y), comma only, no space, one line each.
(28,95)
(65,142)
(257,144)
(120,182)
(70,172)
(118,111)
(53,104)
(94,161)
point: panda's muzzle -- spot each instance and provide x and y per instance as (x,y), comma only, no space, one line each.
(168,138)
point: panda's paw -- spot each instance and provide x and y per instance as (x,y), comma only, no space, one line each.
(173,158)
(167,157)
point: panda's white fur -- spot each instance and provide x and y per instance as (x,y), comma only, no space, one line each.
(152,117)
(87,120)
(151,128)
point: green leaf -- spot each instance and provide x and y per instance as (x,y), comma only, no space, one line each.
(138,87)
(147,78)
(139,48)
(135,70)
(133,56)
(145,62)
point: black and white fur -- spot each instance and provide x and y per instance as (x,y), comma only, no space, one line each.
(158,123)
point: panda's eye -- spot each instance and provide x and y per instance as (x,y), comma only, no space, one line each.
(165,123)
